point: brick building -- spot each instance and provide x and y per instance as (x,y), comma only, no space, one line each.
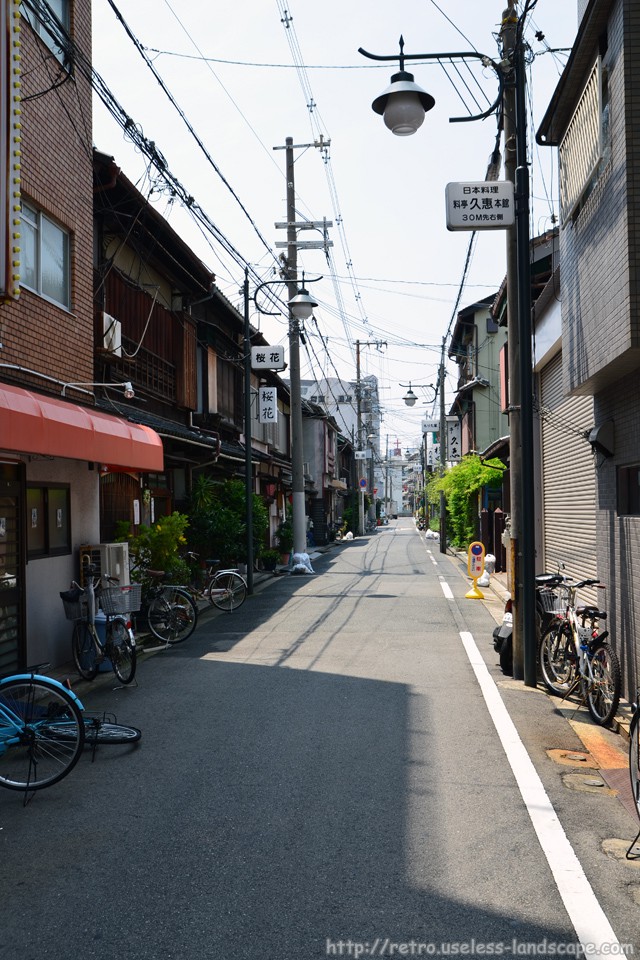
(51,446)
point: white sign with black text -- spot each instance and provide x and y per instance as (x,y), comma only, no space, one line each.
(267,358)
(481,205)
(267,405)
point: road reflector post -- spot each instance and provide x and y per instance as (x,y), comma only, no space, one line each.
(475,567)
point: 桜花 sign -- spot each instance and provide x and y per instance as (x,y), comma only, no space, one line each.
(267,358)
(481,205)
(268,405)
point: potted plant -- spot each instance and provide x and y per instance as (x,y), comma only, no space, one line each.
(270,559)
(284,538)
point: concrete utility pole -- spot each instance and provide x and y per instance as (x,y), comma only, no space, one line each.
(508,36)
(292,244)
(522,554)
(360,445)
(297,450)
(443,454)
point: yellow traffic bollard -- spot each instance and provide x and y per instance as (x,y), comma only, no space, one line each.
(475,566)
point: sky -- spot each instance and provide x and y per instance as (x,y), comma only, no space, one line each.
(247,75)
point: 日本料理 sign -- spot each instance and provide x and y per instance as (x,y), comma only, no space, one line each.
(481,205)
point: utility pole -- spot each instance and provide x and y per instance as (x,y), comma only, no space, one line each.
(360,445)
(297,450)
(522,554)
(443,453)
(292,244)
(509,26)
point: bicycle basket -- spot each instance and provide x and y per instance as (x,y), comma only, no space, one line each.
(121,599)
(555,599)
(75,604)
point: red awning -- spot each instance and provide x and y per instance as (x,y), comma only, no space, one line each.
(33,423)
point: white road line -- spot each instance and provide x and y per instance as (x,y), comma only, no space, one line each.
(586,914)
(446,589)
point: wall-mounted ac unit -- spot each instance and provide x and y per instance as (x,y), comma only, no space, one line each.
(114,561)
(111,335)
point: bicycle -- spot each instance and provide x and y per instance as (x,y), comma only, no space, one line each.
(170,611)
(118,646)
(32,707)
(225,589)
(634,765)
(573,653)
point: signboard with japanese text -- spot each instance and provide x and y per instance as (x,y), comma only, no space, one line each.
(267,358)
(480,205)
(267,405)
(454,439)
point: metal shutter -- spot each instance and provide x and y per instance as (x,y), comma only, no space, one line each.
(568,478)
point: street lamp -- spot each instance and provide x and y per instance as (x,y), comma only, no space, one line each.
(403,105)
(301,307)
(410,398)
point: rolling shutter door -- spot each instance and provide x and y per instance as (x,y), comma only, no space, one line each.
(568,478)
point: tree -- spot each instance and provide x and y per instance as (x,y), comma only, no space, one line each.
(461,486)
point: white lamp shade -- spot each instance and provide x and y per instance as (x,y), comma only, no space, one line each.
(403,104)
(302,305)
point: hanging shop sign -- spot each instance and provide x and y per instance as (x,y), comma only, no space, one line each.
(267,405)
(268,358)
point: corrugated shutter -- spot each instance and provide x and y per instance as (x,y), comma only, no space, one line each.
(568,478)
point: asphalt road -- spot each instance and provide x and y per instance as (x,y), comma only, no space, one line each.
(319,775)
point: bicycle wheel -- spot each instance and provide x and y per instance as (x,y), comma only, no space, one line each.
(172,616)
(30,758)
(557,659)
(634,759)
(121,650)
(85,655)
(227,591)
(96,731)
(603,690)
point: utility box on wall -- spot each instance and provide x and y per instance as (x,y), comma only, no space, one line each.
(110,559)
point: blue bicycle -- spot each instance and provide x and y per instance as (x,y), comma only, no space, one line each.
(34,709)
(44,728)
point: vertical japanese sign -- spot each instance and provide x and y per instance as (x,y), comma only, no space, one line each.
(9,149)
(267,405)
(453,439)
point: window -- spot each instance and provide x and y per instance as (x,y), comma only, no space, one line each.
(44,258)
(53,32)
(629,490)
(48,521)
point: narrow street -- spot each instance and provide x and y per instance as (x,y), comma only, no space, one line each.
(320,775)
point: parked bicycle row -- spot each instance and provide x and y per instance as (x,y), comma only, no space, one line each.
(108,616)
(575,657)
(44,727)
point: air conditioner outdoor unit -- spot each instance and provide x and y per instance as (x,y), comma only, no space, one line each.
(111,335)
(114,561)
